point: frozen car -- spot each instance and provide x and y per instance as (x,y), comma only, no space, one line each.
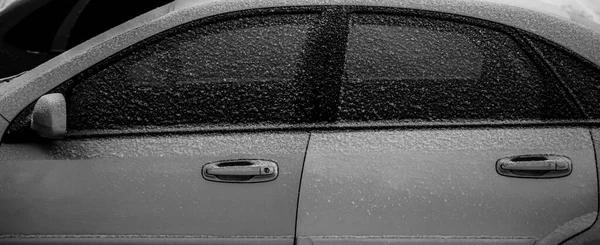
(309,122)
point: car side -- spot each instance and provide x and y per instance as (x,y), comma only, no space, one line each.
(408,122)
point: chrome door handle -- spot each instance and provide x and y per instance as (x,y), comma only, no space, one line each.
(241,171)
(534,166)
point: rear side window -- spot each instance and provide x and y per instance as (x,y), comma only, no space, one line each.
(419,69)
(240,71)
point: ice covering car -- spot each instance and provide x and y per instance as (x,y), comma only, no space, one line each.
(309,122)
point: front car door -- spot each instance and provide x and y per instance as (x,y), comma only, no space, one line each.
(143,123)
(447,130)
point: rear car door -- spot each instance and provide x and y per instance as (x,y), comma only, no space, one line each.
(144,124)
(446,130)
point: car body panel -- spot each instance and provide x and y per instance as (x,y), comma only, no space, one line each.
(145,240)
(535,6)
(591,235)
(148,185)
(414,183)
(105,184)
(414,241)
(25,89)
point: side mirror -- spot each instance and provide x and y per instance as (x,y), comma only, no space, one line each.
(49,117)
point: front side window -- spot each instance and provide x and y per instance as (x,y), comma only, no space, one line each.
(404,68)
(241,71)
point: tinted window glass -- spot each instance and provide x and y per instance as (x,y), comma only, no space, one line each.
(419,69)
(233,72)
(582,78)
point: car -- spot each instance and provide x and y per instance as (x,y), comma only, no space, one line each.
(309,122)
(34,31)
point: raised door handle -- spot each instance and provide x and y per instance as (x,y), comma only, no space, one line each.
(241,171)
(534,166)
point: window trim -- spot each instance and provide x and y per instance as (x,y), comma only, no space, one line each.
(326,127)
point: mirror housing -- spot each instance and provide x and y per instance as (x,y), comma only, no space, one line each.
(49,116)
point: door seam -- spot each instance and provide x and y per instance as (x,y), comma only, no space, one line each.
(300,189)
(597,191)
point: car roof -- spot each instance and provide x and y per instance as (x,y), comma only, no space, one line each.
(535,6)
(30,86)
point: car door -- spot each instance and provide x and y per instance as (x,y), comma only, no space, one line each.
(167,141)
(446,130)
(582,78)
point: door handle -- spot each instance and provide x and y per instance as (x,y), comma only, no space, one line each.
(241,171)
(534,166)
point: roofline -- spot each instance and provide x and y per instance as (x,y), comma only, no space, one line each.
(536,6)
(21,91)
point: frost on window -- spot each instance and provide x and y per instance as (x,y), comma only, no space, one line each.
(418,69)
(390,52)
(582,78)
(233,72)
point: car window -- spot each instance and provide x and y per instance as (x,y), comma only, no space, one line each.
(240,71)
(580,77)
(420,69)
(36,32)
